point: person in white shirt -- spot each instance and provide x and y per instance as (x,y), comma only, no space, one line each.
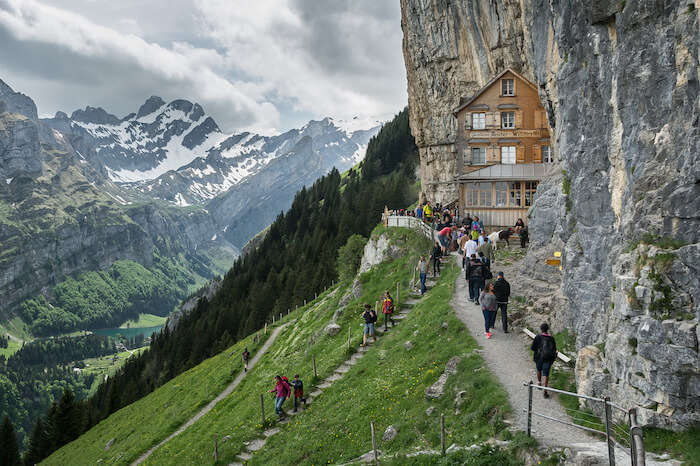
(481,238)
(470,248)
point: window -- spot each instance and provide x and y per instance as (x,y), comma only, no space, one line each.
(508,120)
(478,155)
(501,194)
(530,188)
(479,194)
(507,87)
(514,192)
(478,121)
(508,154)
(547,154)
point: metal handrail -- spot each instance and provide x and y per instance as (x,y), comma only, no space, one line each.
(636,440)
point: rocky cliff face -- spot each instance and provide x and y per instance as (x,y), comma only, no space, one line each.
(620,83)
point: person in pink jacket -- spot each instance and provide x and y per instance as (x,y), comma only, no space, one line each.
(282,392)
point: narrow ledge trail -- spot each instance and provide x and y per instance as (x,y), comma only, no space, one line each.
(221,396)
(508,358)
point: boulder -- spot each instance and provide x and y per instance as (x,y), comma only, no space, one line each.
(444,325)
(430,410)
(109,444)
(437,389)
(389,434)
(332,329)
(408,345)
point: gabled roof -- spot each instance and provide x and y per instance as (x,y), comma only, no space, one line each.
(489,84)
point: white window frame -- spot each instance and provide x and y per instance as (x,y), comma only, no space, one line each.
(548,158)
(478,121)
(508,155)
(482,156)
(504,87)
(508,117)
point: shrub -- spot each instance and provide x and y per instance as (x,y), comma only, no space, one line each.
(350,257)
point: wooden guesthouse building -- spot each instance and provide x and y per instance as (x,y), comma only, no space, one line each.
(504,145)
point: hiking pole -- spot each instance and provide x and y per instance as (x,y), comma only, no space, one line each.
(262,409)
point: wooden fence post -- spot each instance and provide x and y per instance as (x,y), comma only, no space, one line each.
(529,409)
(216,450)
(442,433)
(348,338)
(374,443)
(262,409)
(314,360)
(265,328)
(397,295)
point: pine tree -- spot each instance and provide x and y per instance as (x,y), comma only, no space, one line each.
(68,420)
(9,450)
(39,444)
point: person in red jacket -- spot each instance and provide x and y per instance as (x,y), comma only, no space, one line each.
(282,392)
(387,309)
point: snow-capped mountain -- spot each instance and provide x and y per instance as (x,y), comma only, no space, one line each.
(175,152)
(241,157)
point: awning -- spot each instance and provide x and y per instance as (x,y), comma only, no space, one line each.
(479,107)
(509,141)
(478,141)
(508,106)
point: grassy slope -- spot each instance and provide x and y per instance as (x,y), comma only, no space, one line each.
(144,423)
(145,320)
(387,386)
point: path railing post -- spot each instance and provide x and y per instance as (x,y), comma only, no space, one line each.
(442,433)
(608,434)
(348,338)
(397,296)
(374,443)
(636,440)
(262,409)
(314,360)
(529,409)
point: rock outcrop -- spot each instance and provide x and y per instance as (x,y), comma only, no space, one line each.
(625,212)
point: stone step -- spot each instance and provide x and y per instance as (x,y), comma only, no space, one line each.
(333,377)
(256,444)
(271,432)
(324,385)
(244,456)
(343,369)
(316,393)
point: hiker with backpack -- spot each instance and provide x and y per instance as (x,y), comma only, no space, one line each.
(422,269)
(502,290)
(298,386)
(488,308)
(474,274)
(387,309)
(545,348)
(282,392)
(370,318)
(435,256)
(246,357)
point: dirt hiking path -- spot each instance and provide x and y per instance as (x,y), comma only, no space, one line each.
(222,395)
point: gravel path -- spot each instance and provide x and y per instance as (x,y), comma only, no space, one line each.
(222,395)
(508,357)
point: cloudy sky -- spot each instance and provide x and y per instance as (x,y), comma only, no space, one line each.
(263,65)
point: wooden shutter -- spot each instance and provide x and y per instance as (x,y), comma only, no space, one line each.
(518,119)
(492,120)
(467,121)
(520,154)
(536,153)
(492,154)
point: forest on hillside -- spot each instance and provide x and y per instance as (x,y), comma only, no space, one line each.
(296,258)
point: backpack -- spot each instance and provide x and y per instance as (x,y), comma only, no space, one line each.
(285,383)
(374,316)
(547,352)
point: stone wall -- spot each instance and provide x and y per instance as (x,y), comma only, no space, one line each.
(620,83)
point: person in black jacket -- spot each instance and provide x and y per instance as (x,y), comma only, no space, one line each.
(475,276)
(502,290)
(545,348)
(370,318)
(436,255)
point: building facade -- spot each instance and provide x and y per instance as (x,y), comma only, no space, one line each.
(503,149)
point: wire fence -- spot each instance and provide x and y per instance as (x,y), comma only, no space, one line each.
(598,416)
